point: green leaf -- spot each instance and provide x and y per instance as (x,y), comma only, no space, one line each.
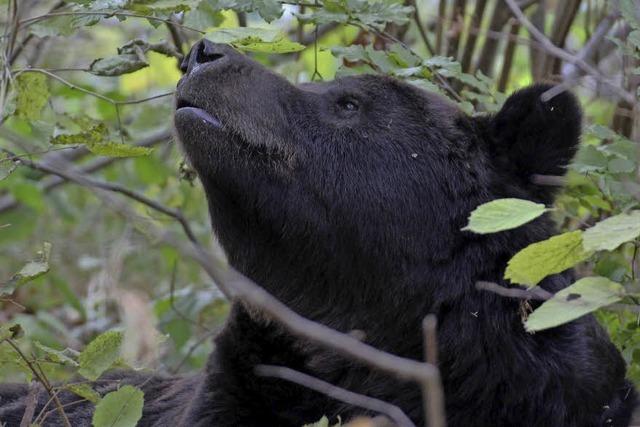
(131,57)
(607,235)
(616,166)
(120,408)
(322,422)
(12,332)
(55,356)
(205,16)
(7,165)
(629,9)
(95,139)
(583,297)
(92,136)
(35,268)
(100,354)
(503,214)
(255,40)
(551,256)
(371,13)
(32,95)
(85,391)
(115,149)
(55,26)
(634,38)
(269,10)
(118,65)
(589,159)
(601,132)
(29,194)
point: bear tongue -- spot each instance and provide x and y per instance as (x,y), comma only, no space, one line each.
(204,115)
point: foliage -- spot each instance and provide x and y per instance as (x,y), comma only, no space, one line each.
(91,91)
(503,214)
(120,408)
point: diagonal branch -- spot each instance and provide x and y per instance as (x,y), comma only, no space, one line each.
(554,50)
(338,393)
(116,188)
(235,285)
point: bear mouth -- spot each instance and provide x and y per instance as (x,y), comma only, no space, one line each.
(185,107)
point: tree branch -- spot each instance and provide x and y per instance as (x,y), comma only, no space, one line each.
(565,56)
(338,393)
(235,285)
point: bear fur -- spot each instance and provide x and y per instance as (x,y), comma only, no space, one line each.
(346,200)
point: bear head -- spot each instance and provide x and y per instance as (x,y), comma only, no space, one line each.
(362,183)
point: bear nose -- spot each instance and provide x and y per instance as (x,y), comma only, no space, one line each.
(203,52)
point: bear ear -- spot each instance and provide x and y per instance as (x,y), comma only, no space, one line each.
(530,136)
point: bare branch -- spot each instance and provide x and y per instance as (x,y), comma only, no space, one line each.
(338,393)
(434,397)
(442,6)
(421,30)
(472,38)
(536,293)
(235,285)
(42,379)
(566,56)
(509,52)
(30,404)
(111,14)
(548,180)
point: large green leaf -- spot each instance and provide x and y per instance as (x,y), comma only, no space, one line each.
(255,40)
(538,260)
(120,408)
(612,232)
(100,354)
(35,268)
(503,214)
(583,297)
(32,95)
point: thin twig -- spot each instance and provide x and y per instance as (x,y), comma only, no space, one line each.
(89,92)
(548,180)
(421,30)
(566,56)
(9,202)
(43,380)
(90,182)
(30,404)
(235,285)
(112,14)
(534,293)
(434,396)
(338,393)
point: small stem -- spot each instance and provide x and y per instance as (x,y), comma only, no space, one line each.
(43,380)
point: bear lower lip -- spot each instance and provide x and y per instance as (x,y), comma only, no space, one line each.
(203,115)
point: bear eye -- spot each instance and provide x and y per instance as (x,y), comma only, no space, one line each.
(348,105)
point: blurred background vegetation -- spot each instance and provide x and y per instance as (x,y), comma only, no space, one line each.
(86,86)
